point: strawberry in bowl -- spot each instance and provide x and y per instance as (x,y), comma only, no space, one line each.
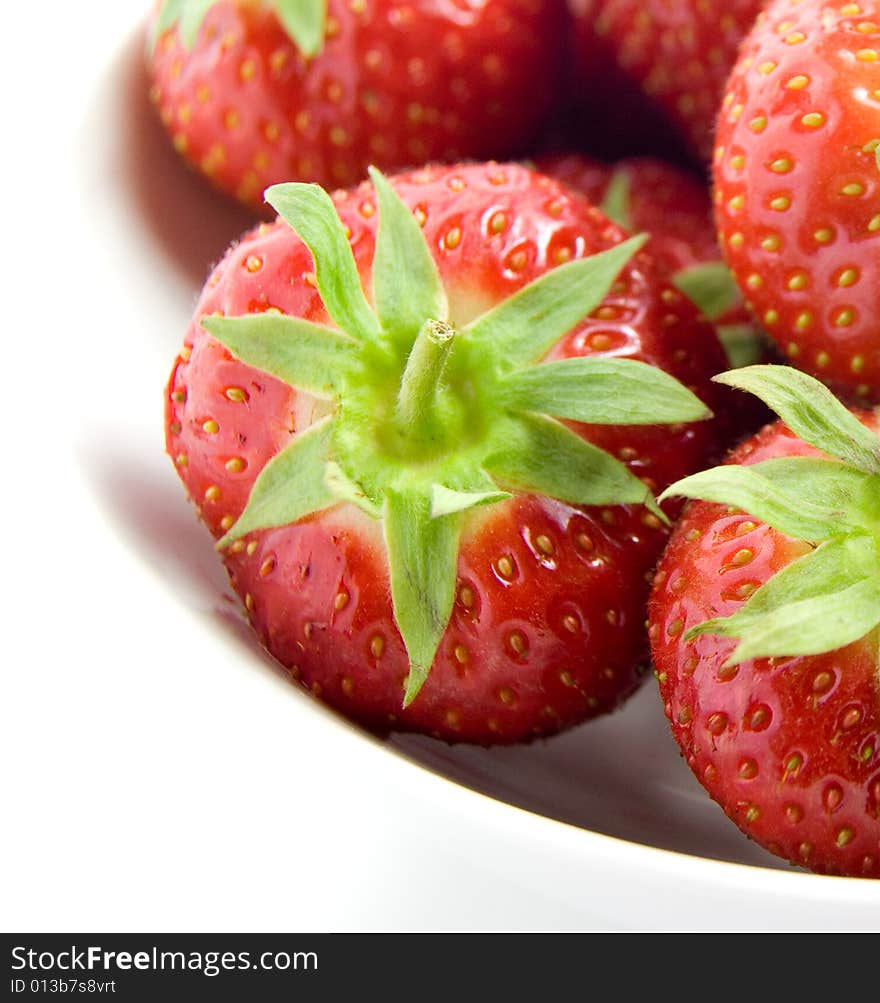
(425,419)
(254,93)
(765,628)
(672,204)
(798,186)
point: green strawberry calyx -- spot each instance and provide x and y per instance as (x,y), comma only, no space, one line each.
(429,420)
(303,20)
(711,287)
(829,597)
(617,201)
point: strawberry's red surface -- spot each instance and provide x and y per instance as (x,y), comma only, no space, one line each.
(395,85)
(548,625)
(798,187)
(669,202)
(527,652)
(790,748)
(673,205)
(675,54)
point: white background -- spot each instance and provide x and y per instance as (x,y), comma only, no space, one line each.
(158,773)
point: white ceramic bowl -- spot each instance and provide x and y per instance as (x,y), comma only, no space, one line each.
(166,774)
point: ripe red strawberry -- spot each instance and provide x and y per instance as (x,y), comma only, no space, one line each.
(416,509)
(677,54)
(645,194)
(775,701)
(797,186)
(315,90)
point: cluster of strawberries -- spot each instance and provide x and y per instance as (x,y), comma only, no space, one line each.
(442,421)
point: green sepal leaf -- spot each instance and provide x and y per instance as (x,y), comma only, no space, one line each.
(811,411)
(191,18)
(446,501)
(305,355)
(852,493)
(615,204)
(746,489)
(809,626)
(407,290)
(602,391)
(291,486)
(423,557)
(309,210)
(710,286)
(525,326)
(830,568)
(743,344)
(305,22)
(169,14)
(814,626)
(187,14)
(343,488)
(539,455)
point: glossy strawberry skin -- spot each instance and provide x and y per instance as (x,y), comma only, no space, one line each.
(539,638)
(673,205)
(797,187)
(667,201)
(790,748)
(395,85)
(677,55)
(548,625)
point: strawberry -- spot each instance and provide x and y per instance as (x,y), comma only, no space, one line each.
(765,628)
(797,186)
(673,205)
(676,54)
(647,194)
(362,412)
(255,93)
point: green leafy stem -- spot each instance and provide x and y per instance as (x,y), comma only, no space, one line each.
(830,597)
